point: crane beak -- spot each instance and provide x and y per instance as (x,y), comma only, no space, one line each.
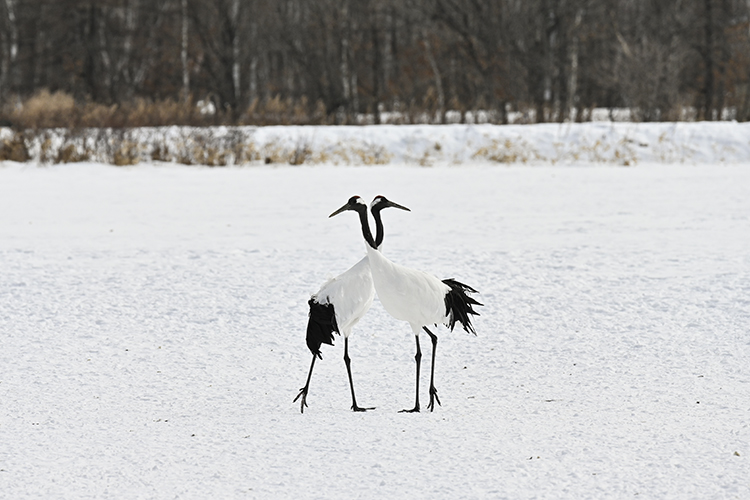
(346,207)
(396,205)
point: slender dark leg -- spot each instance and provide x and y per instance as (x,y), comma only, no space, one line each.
(418,359)
(347,361)
(303,391)
(433,391)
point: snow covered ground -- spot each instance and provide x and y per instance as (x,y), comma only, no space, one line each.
(152,321)
(426,145)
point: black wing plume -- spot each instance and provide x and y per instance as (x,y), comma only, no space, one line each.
(321,326)
(458,305)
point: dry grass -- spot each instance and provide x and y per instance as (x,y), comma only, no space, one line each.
(14,149)
(58,109)
(45,110)
(278,111)
(505,152)
(71,154)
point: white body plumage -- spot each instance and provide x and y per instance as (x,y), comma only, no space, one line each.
(351,294)
(408,294)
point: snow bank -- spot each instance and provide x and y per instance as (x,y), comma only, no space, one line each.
(614,143)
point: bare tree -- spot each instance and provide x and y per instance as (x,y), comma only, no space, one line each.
(10,45)
(262,61)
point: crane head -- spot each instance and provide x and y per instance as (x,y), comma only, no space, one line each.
(355,203)
(380,202)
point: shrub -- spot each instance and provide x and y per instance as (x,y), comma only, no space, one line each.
(14,149)
(46,110)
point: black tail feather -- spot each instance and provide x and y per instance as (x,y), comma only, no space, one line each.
(458,305)
(321,326)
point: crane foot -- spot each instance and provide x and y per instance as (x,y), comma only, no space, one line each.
(433,397)
(359,408)
(303,403)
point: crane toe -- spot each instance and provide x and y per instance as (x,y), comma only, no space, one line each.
(359,408)
(413,410)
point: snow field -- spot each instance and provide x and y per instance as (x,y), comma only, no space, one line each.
(153,321)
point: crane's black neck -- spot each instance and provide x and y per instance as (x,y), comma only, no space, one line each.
(379,231)
(366,228)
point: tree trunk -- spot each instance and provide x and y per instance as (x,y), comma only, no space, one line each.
(235,20)
(708,61)
(184,51)
(11,51)
(438,79)
(345,76)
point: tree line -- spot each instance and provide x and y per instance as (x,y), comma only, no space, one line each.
(154,62)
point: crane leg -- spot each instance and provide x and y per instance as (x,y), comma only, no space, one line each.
(433,391)
(347,361)
(418,359)
(303,391)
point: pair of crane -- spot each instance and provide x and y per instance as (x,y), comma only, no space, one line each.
(409,295)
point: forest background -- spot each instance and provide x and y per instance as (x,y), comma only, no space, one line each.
(131,63)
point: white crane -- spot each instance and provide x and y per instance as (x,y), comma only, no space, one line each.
(413,296)
(339,304)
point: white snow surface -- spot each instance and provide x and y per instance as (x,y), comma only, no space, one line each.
(153,318)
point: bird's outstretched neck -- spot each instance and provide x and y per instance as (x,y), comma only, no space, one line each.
(366,228)
(379,203)
(379,231)
(358,205)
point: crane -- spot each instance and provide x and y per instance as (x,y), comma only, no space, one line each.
(339,305)
(414,296)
